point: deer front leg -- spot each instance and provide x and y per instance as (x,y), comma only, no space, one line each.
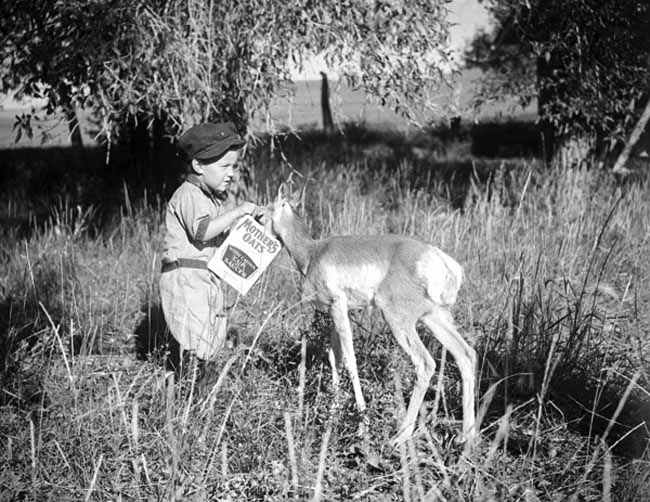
(339,313)
(334,355)
(322,323)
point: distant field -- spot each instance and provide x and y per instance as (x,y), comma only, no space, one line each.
(298,111)
(47,131)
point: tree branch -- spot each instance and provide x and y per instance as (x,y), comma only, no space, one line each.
(619,166)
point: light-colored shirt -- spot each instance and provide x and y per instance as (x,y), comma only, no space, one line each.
(188,213)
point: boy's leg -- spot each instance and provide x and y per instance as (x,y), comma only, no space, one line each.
(174,356)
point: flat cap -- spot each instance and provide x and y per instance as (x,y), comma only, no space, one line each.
(207,141)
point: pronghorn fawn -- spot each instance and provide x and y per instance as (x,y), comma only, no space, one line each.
(408,280)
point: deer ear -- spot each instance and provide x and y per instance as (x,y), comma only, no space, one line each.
(296,198)
(282,189)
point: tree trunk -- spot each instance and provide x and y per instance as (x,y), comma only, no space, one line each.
(619,166)
(547,131)
(574,152)
(328,123)
(74,127)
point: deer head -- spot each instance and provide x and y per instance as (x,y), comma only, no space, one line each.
(282,212)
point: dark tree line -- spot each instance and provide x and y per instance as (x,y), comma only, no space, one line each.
(586,62)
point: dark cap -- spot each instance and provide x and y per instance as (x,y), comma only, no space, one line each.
(207,141)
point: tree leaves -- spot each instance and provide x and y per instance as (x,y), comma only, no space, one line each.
(23,125)
(589,60)
(189,61)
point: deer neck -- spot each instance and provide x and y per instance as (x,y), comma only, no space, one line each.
(299,243)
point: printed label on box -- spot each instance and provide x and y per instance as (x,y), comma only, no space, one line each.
(239,262)
(245,254)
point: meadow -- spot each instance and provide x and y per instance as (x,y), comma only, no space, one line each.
(555,301)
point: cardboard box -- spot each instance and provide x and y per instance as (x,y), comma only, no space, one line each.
(245,254)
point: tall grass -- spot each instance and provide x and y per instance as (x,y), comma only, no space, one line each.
(554,301)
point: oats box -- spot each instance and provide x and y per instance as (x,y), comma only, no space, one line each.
(245,254)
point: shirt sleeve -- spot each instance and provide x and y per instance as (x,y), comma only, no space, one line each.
(194,210)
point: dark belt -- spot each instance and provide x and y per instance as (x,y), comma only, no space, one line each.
(168,266)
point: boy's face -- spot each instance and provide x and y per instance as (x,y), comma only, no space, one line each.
(219,174)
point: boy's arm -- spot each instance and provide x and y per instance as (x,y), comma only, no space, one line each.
(216,226)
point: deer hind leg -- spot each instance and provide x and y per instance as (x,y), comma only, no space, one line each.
(339,313)
(402,323)
(441,324)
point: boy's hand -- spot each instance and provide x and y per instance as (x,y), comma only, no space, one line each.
(265,215)
(250,208)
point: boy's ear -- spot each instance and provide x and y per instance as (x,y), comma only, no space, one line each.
(197,167)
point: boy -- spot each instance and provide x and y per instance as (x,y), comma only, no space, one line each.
(198,218)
